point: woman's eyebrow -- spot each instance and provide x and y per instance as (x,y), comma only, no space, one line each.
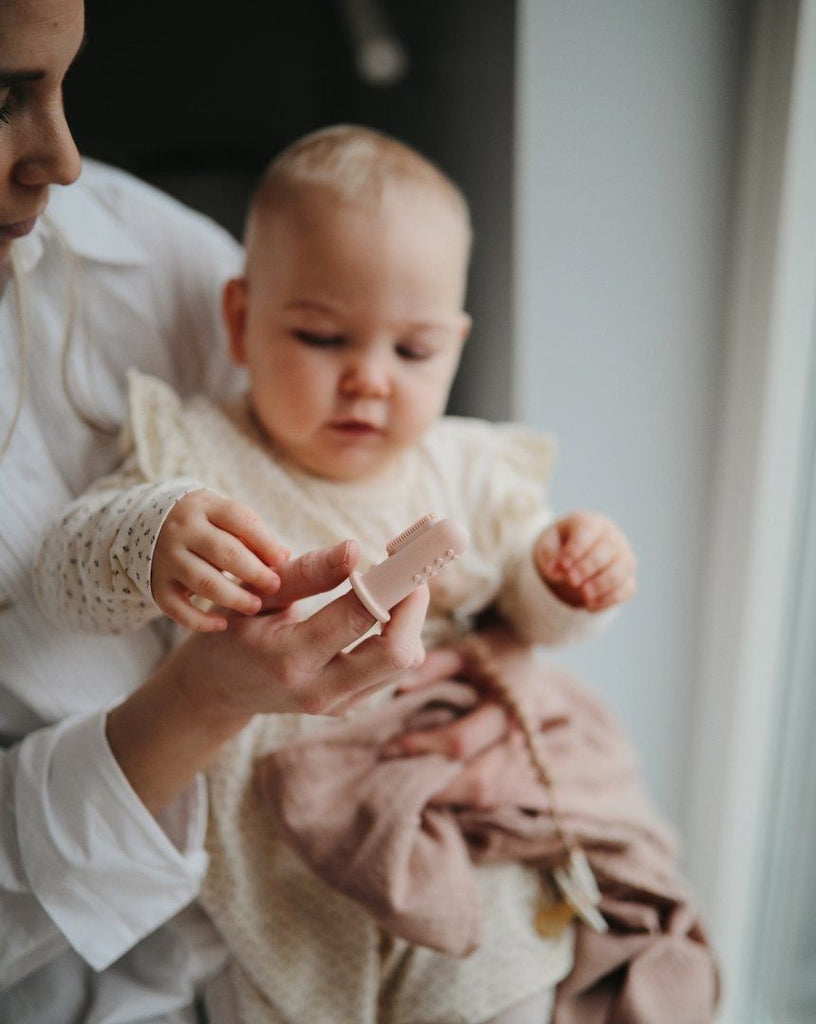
(12,78)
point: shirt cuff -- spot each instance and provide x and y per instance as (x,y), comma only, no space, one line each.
(100,864)
(144,512)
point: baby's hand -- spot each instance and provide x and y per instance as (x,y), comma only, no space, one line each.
(586,561)
(202,537)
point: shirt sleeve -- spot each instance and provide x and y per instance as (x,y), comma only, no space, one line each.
(94,564)
(82,862)
(190,264)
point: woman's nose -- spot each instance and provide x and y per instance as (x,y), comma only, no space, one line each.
(51,156)
(366,376)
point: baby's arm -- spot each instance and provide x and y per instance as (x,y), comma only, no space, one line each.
(95,569)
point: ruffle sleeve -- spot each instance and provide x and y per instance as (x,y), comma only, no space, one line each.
(156,427)
(507,470)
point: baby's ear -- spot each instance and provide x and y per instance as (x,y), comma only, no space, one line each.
(465,324)
(235,313)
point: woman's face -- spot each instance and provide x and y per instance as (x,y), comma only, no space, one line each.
(38,42)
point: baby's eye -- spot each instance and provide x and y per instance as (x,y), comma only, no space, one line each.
(319,340)
(413,351)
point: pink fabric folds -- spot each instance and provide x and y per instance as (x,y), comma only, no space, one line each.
(372,828)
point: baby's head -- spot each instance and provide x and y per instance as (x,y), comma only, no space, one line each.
(350,317)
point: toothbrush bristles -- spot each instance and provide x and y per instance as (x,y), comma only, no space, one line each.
(396,542)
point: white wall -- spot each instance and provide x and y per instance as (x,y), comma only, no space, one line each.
(626,127)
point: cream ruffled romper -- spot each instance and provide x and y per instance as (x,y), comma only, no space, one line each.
(305,954)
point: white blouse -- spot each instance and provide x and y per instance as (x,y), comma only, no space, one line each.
(87,875)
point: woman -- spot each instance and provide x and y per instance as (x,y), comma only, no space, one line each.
(102,810)
(102,807)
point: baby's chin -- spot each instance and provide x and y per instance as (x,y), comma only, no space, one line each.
(352,467)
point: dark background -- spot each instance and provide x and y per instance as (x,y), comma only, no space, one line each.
(196,98)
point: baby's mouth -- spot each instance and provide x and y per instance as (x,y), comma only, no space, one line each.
(355,428)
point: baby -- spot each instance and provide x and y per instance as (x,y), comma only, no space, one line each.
(350,322)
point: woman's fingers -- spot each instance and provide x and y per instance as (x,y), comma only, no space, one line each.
(316,572)
(460,740)
(376,662)
(482,782)
(441,663)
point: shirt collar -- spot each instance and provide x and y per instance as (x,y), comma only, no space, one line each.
(89,228)
(27,251)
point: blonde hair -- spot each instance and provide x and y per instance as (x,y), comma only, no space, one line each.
(355,165)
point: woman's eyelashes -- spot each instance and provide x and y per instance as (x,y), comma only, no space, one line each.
(6,108)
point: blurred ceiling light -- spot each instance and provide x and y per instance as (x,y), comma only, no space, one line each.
(379,56)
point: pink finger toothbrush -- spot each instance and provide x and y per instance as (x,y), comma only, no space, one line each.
(414,556)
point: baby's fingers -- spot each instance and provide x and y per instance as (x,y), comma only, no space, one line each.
(174,601)
(548,548)
(202,579)
(614,585)
(577,534)
(600,557)
(242,523)
(227,552)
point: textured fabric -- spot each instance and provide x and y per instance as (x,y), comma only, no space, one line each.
(371,829)
(303,952)
(85,872)
(93,570)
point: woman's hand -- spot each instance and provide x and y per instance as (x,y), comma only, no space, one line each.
(204,536)
(212,685)
(276,663)
(586,561)
(486,740)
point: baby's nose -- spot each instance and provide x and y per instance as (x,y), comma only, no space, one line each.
(366,376)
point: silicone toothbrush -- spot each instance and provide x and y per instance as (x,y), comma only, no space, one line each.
(414,556)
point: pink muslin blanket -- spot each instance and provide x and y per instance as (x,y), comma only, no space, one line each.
(370,826)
